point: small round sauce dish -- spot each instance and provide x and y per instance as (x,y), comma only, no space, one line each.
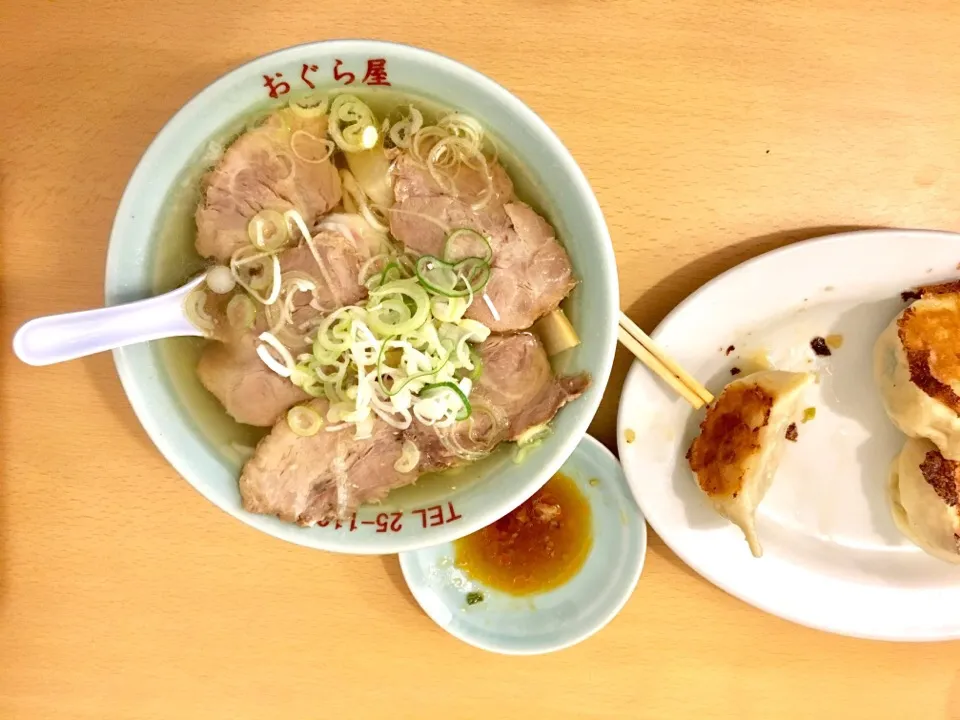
(546,576)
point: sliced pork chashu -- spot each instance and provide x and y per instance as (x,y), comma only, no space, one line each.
(517,379)
(516,391)
(424,212)
(249,391)
(328,475)
(232,371)
(530,272)
(412,179)
(530,275)
(275,166)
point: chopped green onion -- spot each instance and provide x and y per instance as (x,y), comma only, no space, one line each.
(309,107)
(534,434)
(304,421)
(400,322)
(441,278)
(372,267)
(409,457)
(339,372)
(406,128)
(477,365)
(465,243)
(408,264)
(256,272)
(390,273)
(352,124)
(448,310)
(477,370)
(267,230)
(333,335)
(269,340)
(529,440)
(475,271)
(398,386)
(429,390)
(436,275)
(195,309)
(260,273)
(476,330)
(321,149)
(241,312)
(404,354)
(305,378)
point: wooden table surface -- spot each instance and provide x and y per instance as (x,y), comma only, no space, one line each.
(711,131)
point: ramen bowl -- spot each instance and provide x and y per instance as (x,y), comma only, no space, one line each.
(151,251)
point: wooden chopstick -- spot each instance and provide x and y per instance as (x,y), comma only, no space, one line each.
(654,357)
(648,359)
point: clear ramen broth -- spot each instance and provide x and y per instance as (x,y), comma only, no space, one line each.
(176,260)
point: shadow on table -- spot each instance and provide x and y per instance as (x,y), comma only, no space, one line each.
(656,546)
(655,303)
(391,566)
(102,373)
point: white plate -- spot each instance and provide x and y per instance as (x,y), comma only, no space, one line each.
(833,559)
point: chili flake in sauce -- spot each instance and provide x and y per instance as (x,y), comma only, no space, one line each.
(538,546)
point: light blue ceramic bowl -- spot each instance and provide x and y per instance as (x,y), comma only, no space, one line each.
(175,412)
(565,615)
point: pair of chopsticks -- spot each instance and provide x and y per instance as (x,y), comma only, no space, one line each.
(653,356)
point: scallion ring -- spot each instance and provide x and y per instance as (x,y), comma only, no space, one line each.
(398,385)
(433,388)
(309,107)
(475,271)
(322,149)
(464,243)
(473,374)
(409,457)
(352,125)
(403,288)
(241,312)
(438,277)
(304,421)
(441,278)
(268,340)
(267,230)
(195,309)
(304,378)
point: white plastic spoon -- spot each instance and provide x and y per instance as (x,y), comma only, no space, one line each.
(57,338)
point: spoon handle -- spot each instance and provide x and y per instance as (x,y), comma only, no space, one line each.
(57,338)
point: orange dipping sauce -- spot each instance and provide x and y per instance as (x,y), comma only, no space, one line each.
(538,546)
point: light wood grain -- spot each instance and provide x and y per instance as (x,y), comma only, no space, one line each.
(711,132)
